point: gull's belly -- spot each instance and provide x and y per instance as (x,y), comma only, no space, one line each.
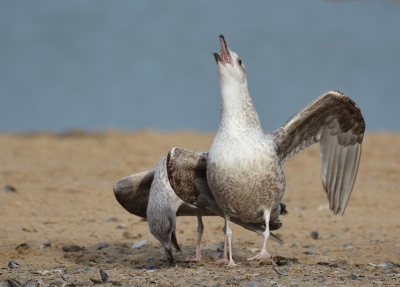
(245,182)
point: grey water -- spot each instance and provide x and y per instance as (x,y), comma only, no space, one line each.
(131,65)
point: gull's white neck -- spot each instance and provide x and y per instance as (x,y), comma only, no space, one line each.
(237,109)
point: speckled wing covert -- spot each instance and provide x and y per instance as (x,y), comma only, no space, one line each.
(133,191)
(187,175)
(336,122)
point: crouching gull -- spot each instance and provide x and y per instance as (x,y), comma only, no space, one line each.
(244,166)
(149,195)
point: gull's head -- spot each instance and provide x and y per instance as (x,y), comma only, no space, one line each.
(230,67)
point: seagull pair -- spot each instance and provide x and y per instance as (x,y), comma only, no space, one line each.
(241,177)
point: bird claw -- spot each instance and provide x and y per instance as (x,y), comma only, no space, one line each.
(222,261)
(262,255)
(195,259)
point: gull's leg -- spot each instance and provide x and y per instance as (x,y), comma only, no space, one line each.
(229,236)
(200,228)
(263,253)
(224,258)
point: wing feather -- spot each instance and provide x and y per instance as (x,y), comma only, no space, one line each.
(187,175)
(132,192)
(336,122)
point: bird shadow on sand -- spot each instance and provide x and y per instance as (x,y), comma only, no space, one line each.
(148,256)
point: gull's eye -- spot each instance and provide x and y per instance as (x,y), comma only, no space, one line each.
(240,62)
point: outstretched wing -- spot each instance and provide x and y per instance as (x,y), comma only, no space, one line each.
(336,122)
(187,175)
(132,192)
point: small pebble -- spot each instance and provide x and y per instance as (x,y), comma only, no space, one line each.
(9,188)
(232,281)
(220,247)
(130,235)
(120,226)
(386,264)
(293,282)
(139,244)
(354,276)
(13,265)
(77,270)
(13,283)
(315,235)
(30,283)
(110,219)
(272,282)
(104,276)
(280,271)
(58,283)
(71,248)
(283,261)
(151,268)
(45,245)
(101,245)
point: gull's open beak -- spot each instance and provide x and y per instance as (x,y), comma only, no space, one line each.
(225,54)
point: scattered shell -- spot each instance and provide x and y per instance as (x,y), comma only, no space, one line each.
(9,188)
(272,282)
(309,246)
(354,276)
(333,264)
(220,247)
(293,282)
(104,276)
(58,283)
(30,283)
(120,226)
(139,244)
(232,281)
(280,271)
(13,283)
(45,245)
(283,261)
(96,281)
(71,248)
(77,270)
(130,235)
(315,235)
(13,265)
(386,264)
(323,207)
(101,245)
(150,269)
(252,250)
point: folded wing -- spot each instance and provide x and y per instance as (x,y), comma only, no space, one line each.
(187,175)
(336,122)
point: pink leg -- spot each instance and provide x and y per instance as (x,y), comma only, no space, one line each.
(263,253)
(229,235)
(200,228)
(224,258)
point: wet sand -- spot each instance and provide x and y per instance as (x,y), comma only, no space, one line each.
(63,195)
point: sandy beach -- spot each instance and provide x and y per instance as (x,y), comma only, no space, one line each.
(56,189)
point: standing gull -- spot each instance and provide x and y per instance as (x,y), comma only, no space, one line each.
(244,165)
